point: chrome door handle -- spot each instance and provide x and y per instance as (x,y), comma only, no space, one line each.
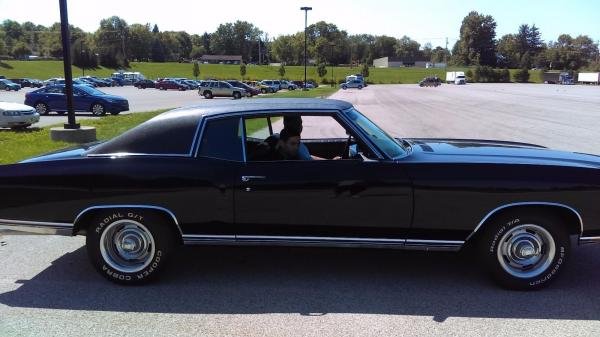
(248,178)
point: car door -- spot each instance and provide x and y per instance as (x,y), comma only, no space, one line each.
(81,100)
(323,199)
(55,98)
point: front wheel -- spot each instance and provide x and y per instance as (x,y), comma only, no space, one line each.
(208,95)
(129,247)
(237,95)
(42,108)
(525,250)
(98,109)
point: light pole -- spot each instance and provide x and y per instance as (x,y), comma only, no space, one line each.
(81,57)
(66,46)
(332,83)
(305,9)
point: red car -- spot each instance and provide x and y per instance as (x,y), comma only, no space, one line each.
(169,84)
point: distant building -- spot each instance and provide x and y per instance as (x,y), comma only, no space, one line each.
(221,59)
(387,62)
(395,62)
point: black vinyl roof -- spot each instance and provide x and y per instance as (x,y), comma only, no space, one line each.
(251,105)
(172,132)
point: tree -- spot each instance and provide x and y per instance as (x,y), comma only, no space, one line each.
(322,70)
(83,55)
(140,42)
(281,70)
(243,70)
(408,49)
(521,76)
(477,43)
(20,50)
(365,70)
(508,51)
(439,55)
(111,40)
(196,70)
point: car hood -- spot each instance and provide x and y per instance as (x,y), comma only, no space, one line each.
(113,97)
(9,106)
(68,153)
(492,151)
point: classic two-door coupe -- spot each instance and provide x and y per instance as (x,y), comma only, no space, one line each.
(187,177)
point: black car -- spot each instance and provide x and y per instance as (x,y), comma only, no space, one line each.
(192,176)
(430,82)
(250,91)
(27,82)
(143,84)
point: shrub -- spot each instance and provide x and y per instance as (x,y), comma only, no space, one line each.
(521,76)
(469,75)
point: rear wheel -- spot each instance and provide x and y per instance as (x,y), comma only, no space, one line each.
(525,250)
(237,95)
(263,90)
(208,95)
(129,247)
(42,108)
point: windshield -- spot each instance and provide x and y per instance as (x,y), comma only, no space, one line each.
(90,91)
(380,138)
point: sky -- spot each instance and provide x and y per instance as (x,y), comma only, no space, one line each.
(429,21)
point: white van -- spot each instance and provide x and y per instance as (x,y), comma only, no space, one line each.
(456,77)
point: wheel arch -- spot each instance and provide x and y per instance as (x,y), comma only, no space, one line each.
(80,222)
(568,214)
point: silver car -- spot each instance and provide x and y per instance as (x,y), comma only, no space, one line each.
(210,89)
(17,116)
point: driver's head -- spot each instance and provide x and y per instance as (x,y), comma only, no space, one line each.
(289,141)
(293,123)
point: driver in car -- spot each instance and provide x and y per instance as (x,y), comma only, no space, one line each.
(286,148)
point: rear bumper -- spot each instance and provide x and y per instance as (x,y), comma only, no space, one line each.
(34,227)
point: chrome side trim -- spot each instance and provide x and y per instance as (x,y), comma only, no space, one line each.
(37,227)
(311,241)
(171,214)
(528,203)
(589,239)
(129,154)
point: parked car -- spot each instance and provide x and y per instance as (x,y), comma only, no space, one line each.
(210,89)
(309,84)
(96,81)
(264,89)
(9,85)
(353,84)
(85,98)
(430,82)
(143,84)
(192,85)
(273,84)
(85,80)
(287,85)
(27,82)
(170,84)
(173,180)
(17,116)
(250,91)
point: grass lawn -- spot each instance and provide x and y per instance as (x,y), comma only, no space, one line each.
(47,69)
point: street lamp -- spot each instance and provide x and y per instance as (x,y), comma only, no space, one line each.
(305,9)
(332,45)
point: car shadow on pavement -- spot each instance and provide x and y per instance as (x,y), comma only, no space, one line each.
(308,281)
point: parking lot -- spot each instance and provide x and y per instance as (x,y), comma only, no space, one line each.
(47,286)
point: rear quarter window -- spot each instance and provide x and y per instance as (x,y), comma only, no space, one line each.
(222,139)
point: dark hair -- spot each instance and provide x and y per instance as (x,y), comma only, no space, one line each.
(286,134)
(292,122)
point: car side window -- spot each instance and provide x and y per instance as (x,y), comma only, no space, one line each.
(222,139)
(223,85)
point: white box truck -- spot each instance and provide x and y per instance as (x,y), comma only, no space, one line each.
(456,77)
(593,78)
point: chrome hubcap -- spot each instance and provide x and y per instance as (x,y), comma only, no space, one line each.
(127,246)
(97,109)
(40,108)
(526,251)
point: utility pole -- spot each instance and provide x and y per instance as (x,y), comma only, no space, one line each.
(305,9)
(446,54)
(81,59)
(259,52)
(332,80)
